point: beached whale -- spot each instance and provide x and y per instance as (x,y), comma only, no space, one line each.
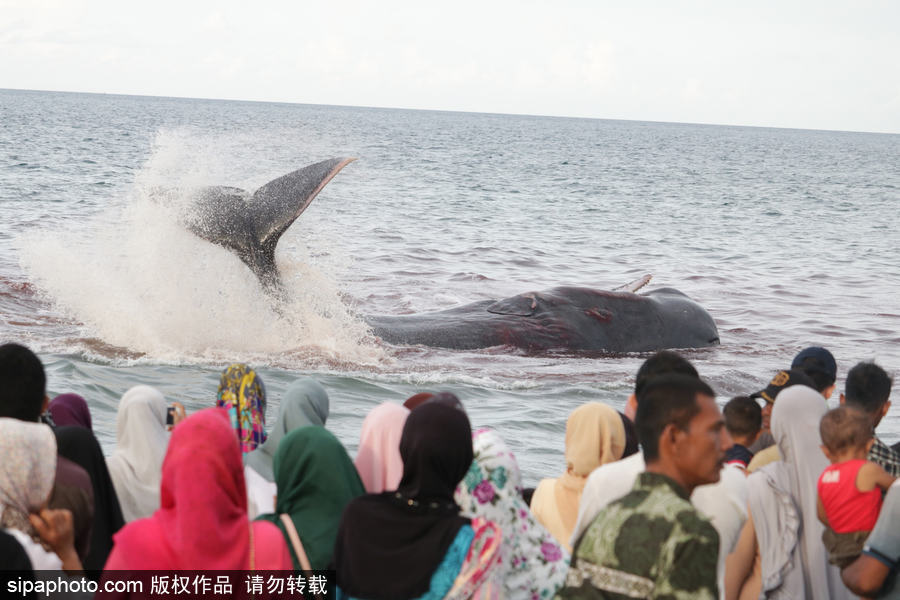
(564,318)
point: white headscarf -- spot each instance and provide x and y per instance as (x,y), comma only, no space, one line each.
(782,499)
(27,472)
(141,441)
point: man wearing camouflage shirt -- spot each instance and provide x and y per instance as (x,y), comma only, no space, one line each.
(652,543)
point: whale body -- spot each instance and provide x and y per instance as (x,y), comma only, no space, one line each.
(564,318)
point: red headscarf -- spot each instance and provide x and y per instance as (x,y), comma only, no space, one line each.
(202,520)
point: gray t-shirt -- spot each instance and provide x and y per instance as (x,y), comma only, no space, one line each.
(883,543)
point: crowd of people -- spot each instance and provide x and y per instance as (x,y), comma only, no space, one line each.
(774,496)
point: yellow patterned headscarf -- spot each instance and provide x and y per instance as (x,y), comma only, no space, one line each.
(243,395)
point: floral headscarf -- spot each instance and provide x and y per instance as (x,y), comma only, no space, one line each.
(242,393)
(533,562)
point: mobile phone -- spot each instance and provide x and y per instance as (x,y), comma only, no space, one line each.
(170,415)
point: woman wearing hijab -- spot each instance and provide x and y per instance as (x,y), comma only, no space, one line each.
(783,526)
(70,409)
(532,563)
(316,480)
(81,447)
(412,542)
(141,440)
(27,472)
(202,522)
(305,403)
(243,395)
(595,436)
(378,459)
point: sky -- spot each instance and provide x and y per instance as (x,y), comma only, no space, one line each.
(786,63)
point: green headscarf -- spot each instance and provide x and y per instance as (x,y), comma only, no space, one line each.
(305,403)
(316,479)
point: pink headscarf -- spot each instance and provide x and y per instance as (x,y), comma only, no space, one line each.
(202,520)
(378,460)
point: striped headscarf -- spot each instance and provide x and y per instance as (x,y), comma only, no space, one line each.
(243,395)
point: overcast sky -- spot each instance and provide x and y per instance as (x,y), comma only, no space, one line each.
(806,64)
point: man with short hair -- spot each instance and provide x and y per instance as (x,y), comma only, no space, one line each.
(613,480)
(652,542)
(868,389)
(819,365)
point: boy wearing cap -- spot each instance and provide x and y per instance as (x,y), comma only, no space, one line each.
(867,389)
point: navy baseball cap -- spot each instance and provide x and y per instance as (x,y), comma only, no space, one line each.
(816,358)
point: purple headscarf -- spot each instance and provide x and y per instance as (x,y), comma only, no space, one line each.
(70,409)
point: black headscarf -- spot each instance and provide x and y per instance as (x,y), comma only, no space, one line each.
(81,447)
(390,544)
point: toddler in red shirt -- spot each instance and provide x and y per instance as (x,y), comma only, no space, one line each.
(850,488)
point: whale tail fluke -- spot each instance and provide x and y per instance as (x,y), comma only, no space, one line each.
(251,225)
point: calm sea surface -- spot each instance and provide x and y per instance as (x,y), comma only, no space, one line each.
(789,238)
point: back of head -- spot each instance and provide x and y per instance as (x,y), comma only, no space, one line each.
(845,428)
(664,361)
(868,387)
(203,500)
(819,364)
(243,394)
(436,449)
(795,422)
(743,416)
(24,383)
(664,400)
(27,470)
(595,435)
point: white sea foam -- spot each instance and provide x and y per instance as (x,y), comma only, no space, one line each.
(138,280)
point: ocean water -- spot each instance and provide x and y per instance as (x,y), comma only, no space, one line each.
(788,237)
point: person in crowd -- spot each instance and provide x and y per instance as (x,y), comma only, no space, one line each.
(631,441)
(305,403)
(27,472)
(316,479)
(850,487)
(413,541)
(141,441)
(767,452)
(81,447)
(595,436)
(868,389)
(243,394)
(817,364)
(70,409)
(783,526)
(533,565)
(724,503)
(743,420)
(653,543)
(378,458)
(874,573)
(201,523)
(23,396)
(613,480)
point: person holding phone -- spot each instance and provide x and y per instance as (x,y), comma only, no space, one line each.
(143,423)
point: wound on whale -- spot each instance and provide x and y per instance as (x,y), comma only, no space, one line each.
(561,319)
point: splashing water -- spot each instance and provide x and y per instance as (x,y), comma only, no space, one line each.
(136,279)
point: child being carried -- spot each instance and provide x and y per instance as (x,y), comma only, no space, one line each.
(850,488)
